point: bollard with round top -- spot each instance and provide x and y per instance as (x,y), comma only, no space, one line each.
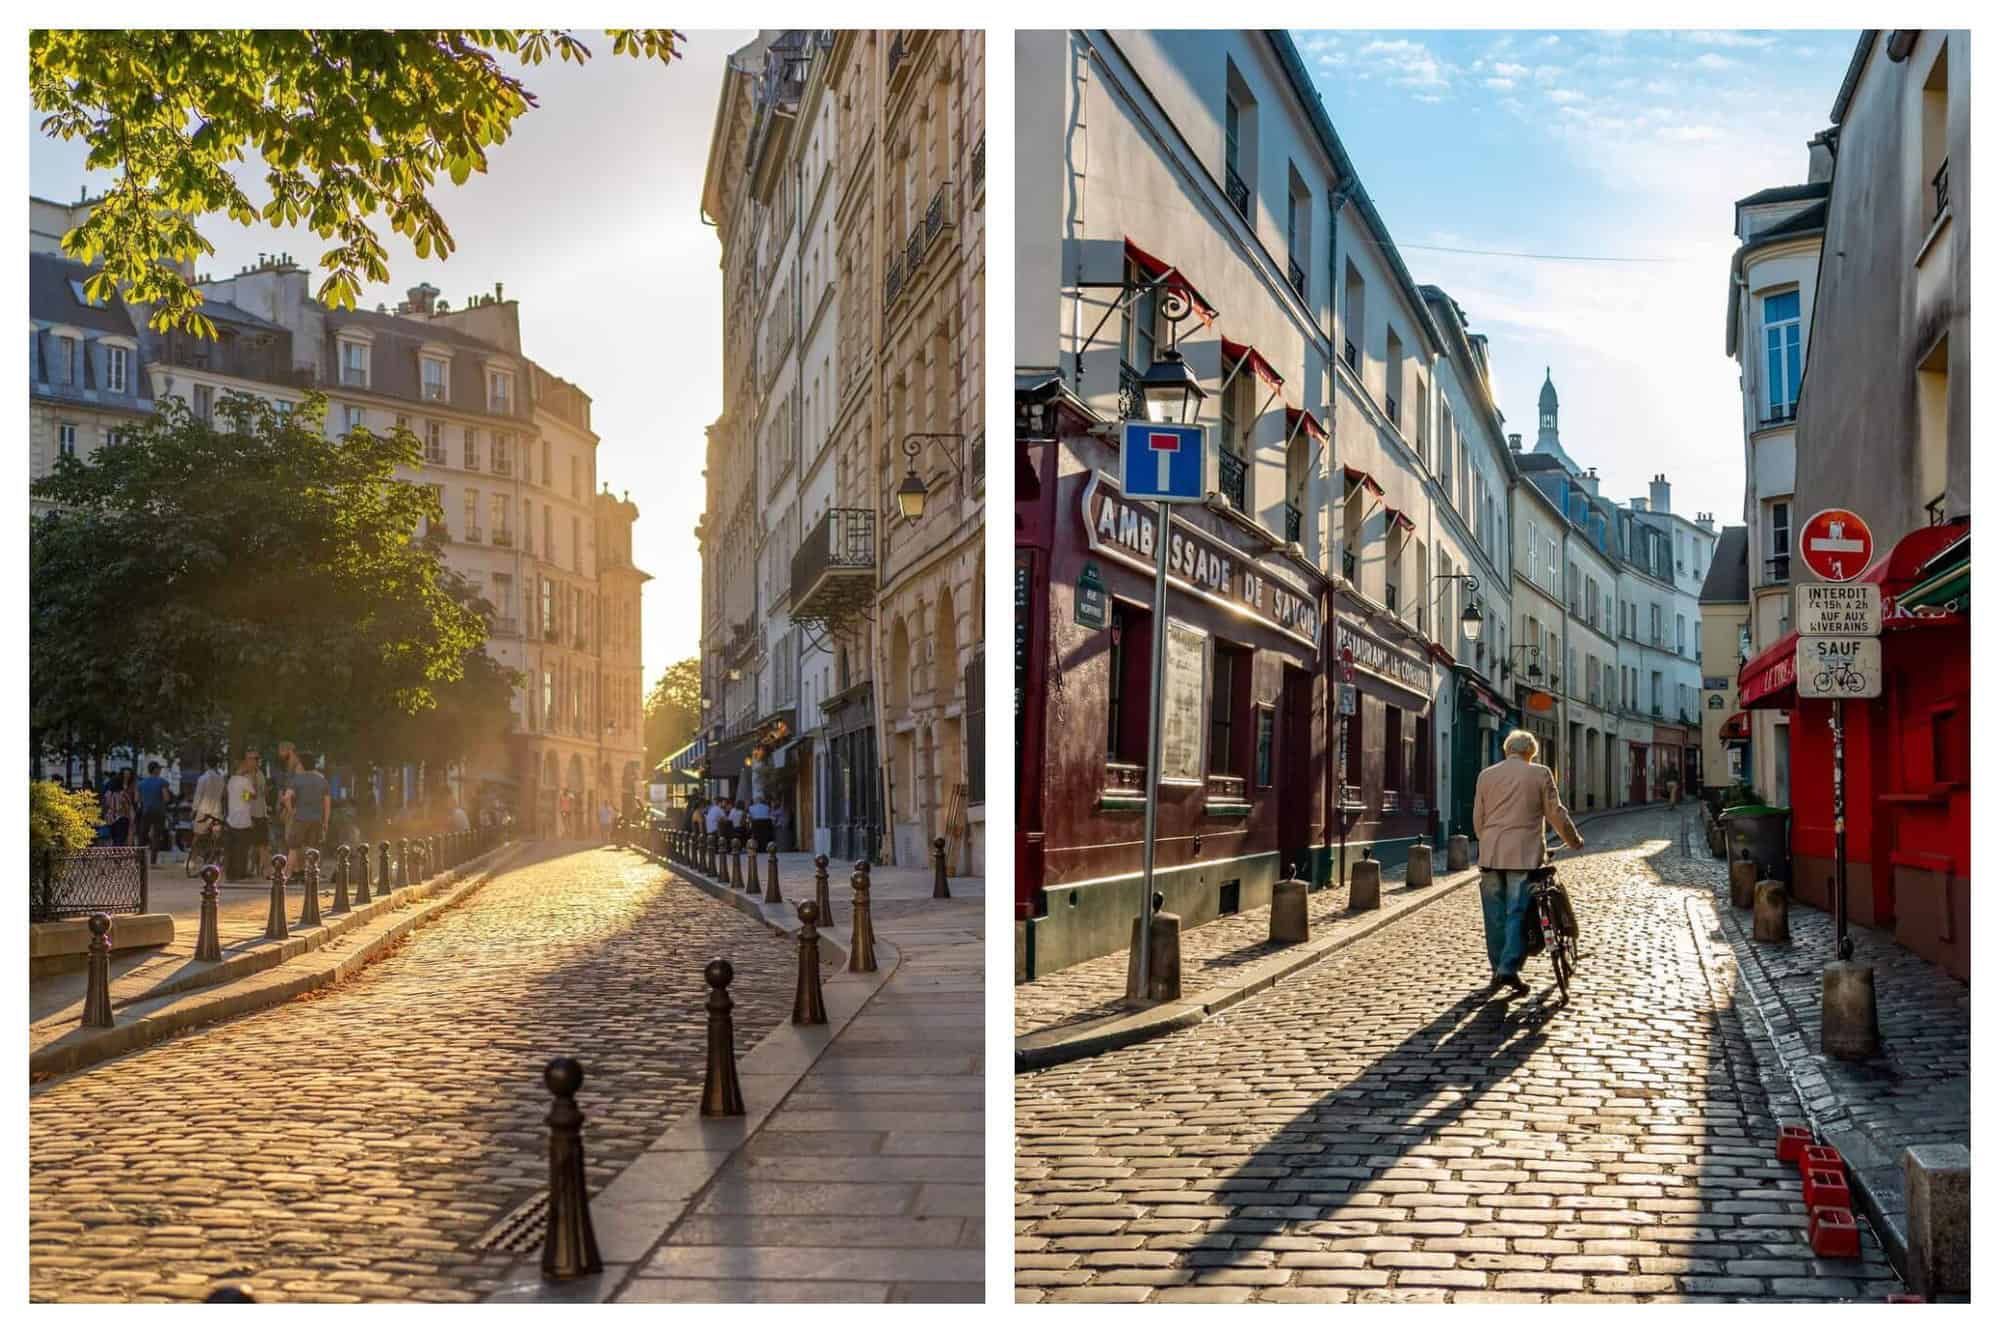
(1743,879)
(771,894)
(208,940)
(1417,873)
(1288,910)
(1163,956)
(1770,920)
(309,909)
(388,883)
(939,889)
(1847,1026)
(570,1248)
(402,863)
(1364,884)
(721,1092)
(736,867)
(275,927)
(751,886)
(822,898)
(1458,853)
(97,987)
(342,868)
(361,898)
(861,948)
(229,1296)
(808,1001)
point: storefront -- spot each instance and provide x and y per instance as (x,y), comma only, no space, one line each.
(1908,756)
(1482,723)
(848,804)
(1387,769)
(1243,791)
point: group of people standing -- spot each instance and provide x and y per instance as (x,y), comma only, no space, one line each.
(133,811)
(291,810)
(756,819)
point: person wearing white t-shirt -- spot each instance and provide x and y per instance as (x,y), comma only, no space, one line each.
(717,812)
(245,804)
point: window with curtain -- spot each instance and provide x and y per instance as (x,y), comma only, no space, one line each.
(1782,355)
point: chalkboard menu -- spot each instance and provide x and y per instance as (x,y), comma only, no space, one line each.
(1182,715)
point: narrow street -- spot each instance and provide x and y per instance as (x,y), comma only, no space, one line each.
(1380,1127)
(354,1144)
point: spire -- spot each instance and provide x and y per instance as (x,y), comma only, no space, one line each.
(1548,440)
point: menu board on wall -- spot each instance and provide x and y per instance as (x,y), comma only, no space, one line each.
(1182,713)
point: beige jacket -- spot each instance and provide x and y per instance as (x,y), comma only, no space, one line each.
(1509,807)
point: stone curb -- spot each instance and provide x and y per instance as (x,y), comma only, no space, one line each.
(1130,1029)
(633,1215)
(1875,1172)
(82,1047)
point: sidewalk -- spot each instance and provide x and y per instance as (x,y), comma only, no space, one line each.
(857,1172)
(1917,1090)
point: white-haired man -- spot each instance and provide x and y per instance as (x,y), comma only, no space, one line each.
(1512,807)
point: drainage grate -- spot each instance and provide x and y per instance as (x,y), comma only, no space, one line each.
(521,1231)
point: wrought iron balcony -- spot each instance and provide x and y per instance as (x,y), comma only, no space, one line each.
(1394,410)
(1350,355)
(898,49)
(503,466)
(1232,473)
(473,535)
(506,627)
(1239,193)
(892,283)
(1296,274)
(979,163)
(975,462)
(434,454)
(1347,565)
(1131,403)
(1294,522)
(913,251)
(502,537)
(833,571)
(1778,569)
(938,216)
(1941,190)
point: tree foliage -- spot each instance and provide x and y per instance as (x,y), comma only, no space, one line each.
(346,122)
(673,710)
(252,572)
(60,820)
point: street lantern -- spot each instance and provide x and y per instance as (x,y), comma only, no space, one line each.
(1471,622)
(912,494)
(1171,392)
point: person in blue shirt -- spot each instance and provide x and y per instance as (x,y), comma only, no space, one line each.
(153,811)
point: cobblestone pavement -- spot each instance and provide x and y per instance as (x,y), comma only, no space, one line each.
(1379,1128)
(1211,955)
(353,1144)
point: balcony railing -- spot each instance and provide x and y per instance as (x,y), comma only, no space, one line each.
(1294,522)
(1778,569)
(979,163)
(1390,406)
(1347,565)
(1941,190)
(507,626)
(897,51)
(1239,193)
(473,535)
(975,462)
(1233,475)
(833,571)
(938,216)
(1777,414)
(913,251)
(892,283)
(502,537)
(1295,273)
(434,393)
(1350,355)
(434,455)
(1131,403)
(503,466)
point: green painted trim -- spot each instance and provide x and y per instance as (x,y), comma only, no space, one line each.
(1227,809)
(1121,803)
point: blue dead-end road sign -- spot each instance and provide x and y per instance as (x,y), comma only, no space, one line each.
(1162,462)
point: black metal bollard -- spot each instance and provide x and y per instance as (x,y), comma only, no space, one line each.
(402,863)
(343,867)
(309,910)
(570,1248)
(822,899)
(387,880)
(808,1002)
(751,886)
(275,927)
(208,940)
(771,894)
(97,988)
(721,1092)
(361,898)
(939,889)
(861,949)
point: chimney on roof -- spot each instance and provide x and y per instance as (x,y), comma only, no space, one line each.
(1638,504)
(423,298)
(1588,481)
(1514,441)
(1663,495)
(1819,157)
(498,290)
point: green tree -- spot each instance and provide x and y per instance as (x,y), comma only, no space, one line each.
(60,820)
(253,571)
(346,123)
(673,710)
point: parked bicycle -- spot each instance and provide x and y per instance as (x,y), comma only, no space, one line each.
(1552,912)
(204,846)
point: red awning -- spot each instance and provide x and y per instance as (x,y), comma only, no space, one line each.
(1767,680)
(1234,354)
(1400,519)
(1175,280)
(1356,477)
(1737,728)
(1297,416)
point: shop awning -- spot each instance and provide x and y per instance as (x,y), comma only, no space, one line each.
(1737,728)
(1297,417)
(1400,519)
(1235,355)
(1171,278)
(1943,581)
(1356,477)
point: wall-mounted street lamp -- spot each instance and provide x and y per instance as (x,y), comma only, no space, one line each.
(912,494)
(1472,622)
(1533,671)
(1172,394)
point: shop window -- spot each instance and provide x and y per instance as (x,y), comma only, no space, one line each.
(1393,774)
(1130,680)
(1951,745)
(1228,709)
(1266,731)
(1351,763)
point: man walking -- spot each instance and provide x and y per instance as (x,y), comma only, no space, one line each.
(1512,806)
(308,806)
(152,812)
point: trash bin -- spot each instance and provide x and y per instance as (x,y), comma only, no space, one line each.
(1765,832)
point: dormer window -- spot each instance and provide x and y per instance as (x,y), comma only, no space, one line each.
(116,363)
(65,367)
(353,363)
(436,379)
(499,392)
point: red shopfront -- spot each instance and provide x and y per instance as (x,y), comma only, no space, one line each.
(1909,795)
(1244,756)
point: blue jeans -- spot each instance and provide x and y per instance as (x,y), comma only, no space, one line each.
(1504,897)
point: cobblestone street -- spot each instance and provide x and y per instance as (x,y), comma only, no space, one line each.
(352,1145)
(1379,1127)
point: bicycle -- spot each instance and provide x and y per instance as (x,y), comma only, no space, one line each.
(205,848)
(1550,903)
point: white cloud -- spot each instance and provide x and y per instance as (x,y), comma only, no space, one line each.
(1410,64)
(1565,96)
(1500,85)
(1507,70)
(1709,37)
(1710,61)
(1690,133)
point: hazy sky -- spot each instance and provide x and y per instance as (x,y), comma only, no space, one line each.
(591,216)
(1628,144)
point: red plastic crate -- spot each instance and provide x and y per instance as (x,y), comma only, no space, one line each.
(1821,1157)
(1833,1234)
(1827,1189)
(1792,1141)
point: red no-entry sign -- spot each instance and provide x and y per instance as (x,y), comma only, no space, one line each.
(1835,544)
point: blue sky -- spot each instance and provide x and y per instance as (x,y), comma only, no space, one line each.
(1626,144)
(591,216)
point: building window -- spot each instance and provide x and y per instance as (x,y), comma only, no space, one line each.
(502,452)
(204,402)
(548,470)
(437,379)
(1266,730)
(499,392)
(1933,417)
(1935,187)
(575,544)
(355,417)
(1781,530)
(115,360)
(1298,235)
(471,532)
(66,439)
(499,510)
(354,364)
(65,360)
(1393,774)
(1782,365)
(1228,697)
(1142,319)
(471,448)
(434,441)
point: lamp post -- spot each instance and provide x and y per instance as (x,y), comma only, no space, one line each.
(1172,396)
(911,495)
